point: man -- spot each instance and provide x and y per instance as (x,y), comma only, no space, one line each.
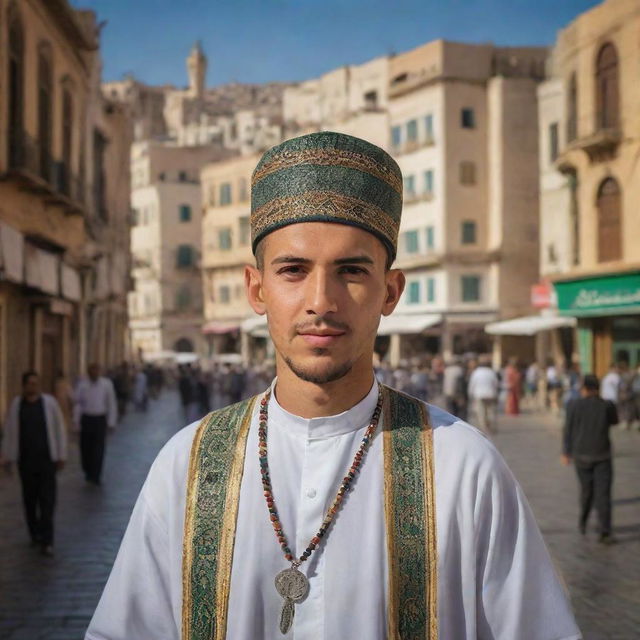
(452,386)
(483,393)
(586,442)
(35,436)
(96,411)
(611,385)
(199,559)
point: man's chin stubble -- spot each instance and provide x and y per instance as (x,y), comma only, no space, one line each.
(330,375)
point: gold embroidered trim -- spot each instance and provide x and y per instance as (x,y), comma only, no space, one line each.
(326,205)
(228,535)
(329,158)
(430,510)
(187,546)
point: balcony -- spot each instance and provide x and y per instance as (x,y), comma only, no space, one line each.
(31,165)
(409,146)
(600,145)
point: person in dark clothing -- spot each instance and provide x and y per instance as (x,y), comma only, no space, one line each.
(36,438)
(586,442)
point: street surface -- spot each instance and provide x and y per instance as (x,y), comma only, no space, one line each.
(53,598)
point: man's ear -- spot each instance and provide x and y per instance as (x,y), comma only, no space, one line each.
(253,288)
(395,282)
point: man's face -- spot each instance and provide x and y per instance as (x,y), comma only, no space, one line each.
(32,387)
(323,288)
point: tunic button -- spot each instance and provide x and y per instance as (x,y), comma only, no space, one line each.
(311,493)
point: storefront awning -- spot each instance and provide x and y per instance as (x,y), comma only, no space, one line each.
(216,327)
(11,253)
(407,323)
(529,325)
(255,326)
(42,270)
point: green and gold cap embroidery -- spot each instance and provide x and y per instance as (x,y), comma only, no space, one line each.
(327,177)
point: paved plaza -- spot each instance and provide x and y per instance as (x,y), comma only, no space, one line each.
(53,598)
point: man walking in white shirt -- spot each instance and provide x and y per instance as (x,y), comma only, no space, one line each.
(483,392)
(96,410)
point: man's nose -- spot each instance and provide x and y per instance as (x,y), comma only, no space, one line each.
(321,294)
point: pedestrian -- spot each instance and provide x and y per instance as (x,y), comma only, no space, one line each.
(200,559)
(140,390)
(96,411)
(35,436)
(122,388)
(451,386)
(532,381)
(626,399)
(513,384)
(483,393)
(586,442)
(554,387)
(63,393)
(610,387)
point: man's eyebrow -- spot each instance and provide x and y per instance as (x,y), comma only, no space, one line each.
(290,259)
(363,259)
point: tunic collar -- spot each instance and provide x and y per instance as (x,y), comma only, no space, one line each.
(357,417)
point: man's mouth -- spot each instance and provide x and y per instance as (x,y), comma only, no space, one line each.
(321,337)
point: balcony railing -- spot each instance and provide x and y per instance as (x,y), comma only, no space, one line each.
(34,165)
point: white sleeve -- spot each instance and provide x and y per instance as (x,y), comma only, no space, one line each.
(519,594)
(136,602)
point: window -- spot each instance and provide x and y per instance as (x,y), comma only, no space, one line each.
(410,186)
(413,294)
(245,231)
(224,239)
(16,87)
(371,100)
(162,176)
(183,298)
(411,241)
(99,176)
(225,194)
(428,182)
(45,108)
(412,130)
(470,286)
(67,141)
(609,221)
(225,294)
(467,118)
(430,237)
(182,176)
(242,190)
(396,137)
(553,142)
(467,173)
(431,289)
(185,256)
(572,109)
(428,126)
(468,232)
(185,213)
(607,87)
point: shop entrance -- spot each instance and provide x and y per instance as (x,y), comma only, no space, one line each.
(625,336)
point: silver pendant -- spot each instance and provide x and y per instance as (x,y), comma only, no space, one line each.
(293,586)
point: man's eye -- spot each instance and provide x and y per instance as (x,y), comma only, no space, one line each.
(356,271)
(290,269)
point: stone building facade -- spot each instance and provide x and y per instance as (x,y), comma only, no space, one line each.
(590,189)
(64,208)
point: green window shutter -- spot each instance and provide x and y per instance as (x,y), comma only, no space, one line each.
(414,292)
(470,288)
(411,241)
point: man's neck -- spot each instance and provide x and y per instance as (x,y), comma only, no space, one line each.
(309,400)
(32,398)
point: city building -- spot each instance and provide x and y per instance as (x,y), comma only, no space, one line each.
(590,182)
(64,209)
(463,128)
(165,305)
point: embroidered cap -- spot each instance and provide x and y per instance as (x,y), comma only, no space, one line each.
(327,177)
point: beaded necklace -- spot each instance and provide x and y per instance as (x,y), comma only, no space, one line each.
(291,583)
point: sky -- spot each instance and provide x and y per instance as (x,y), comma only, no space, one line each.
(257,41)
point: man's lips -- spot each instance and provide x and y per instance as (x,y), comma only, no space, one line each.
(321,337)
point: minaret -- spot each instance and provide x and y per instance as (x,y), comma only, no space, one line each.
(197,68)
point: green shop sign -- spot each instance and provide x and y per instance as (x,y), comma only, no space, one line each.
(599,296)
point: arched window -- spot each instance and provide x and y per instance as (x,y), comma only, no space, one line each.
(67,136)
(16,88)
(184,345)
(45,107)
(607,87)
(572,108)
(609,221)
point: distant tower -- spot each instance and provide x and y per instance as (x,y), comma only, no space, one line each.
(197,68)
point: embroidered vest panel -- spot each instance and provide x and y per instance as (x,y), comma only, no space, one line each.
(215,475)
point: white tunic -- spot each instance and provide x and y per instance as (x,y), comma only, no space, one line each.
(495,577)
